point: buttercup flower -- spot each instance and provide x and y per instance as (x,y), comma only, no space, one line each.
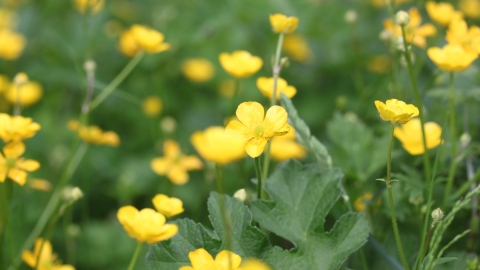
(414,32)
(380,64)
(17,128)
(254,264)
(442,13)
(240,64)
(15,167)
(360,203)
(152,106)
(265,85)
(459,33)
(175,164)
(410,134)
(47,260)
(202,260)
(142,38)
(93,6)
(296,47)
(145,225)
(94,135)
(12,44)
(40,184)
(471,8)
(256,127)
(283,24)
(285,147)
(198,69)
(396,111)
(167,206)
(216,145)
(29,92)
(451,57)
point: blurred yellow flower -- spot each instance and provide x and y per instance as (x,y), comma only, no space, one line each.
(40,184)
(380,64)
(146,225)
(240,64)
(361,202)
(459,33)
(94,135)
(382,3)
(44,256)
(285,147)
(256,127)
(216,145)
(141,38)
(202,260)
(283,24)
(167,206)
(152,106)
(410,134)
(29,92)
(443,13)
(17,128)
(15,167)
(174,164)
(254,264)
(396,111)
(12,44)
(471,8)
(89,6)
(4,83)
(265,85)
(296,47)
(198,69)
(452,57)
(227,88)
(414,32)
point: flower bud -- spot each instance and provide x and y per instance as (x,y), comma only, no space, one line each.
(385,35)
(240,195)
(72,193)
(89,65)
(20,78)
(402,18)
(350,16)
(465,139)
(168,124)
(437,215)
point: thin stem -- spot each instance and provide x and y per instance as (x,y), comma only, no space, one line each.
(258,171)
(418,101)
(90,70)
(116,81)
(18,103)
(429,236)
(219,178)
(390,200)
(131,266)
(266,160)
(362,258)
(453,138)
(276,69)
(236,91)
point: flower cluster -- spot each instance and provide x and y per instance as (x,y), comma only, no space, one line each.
(225,260)
(94,135)
(26,92)
(141,38)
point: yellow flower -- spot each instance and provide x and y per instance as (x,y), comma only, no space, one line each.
(451,57)
(414,33)
(442,13)
(146,225)
(256,127)
(93,6)
(198,69)
(471,8)
(254,264)
(216,145)
(17,128)
(94,135)
(380,64)
(29,92)
(15,167)
(240,64)
(141,38)
(152,106)
(396,111)
(459,33)
(410,134)
(167,206)
(382,3)
(202,260)
(12,44)
(283,24)
(361,202)
(285,147)
(265,85)
(296,46)
(175,164)
(40,184)
(47,260)
(4,83)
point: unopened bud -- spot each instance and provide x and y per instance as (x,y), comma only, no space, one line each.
(350,16)
(385,35)
(240,195)
(465,139)
(72,193)
(402,18)
(168,124)
(20,78)
(89,66)
(399,44)
(437,215)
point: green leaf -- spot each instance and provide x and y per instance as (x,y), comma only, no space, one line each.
(302,197)
(443,260)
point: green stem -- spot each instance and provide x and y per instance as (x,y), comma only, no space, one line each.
(362,258)
(131,266)
(258,171)
(236,91)
(453,138)
(418,101)
(276,69)
(116,81)
(427,242)
(266,160)
(390,200)
(219,178)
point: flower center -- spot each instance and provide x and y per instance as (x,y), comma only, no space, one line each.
(259,131)
(11,162)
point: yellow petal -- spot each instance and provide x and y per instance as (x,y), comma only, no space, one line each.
(167,206)
(14,149)
(235,126)
(178,175)
(191,163)
(255,146)
(160,165)
(18,176)
(171,148)
(227,260)
(251,114)
(167,232)
(28,165)
(201,259)
(126,213)
(275,120)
